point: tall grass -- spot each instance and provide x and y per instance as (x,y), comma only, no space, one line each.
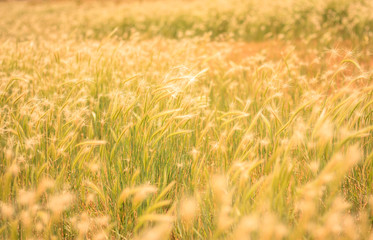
(111,137)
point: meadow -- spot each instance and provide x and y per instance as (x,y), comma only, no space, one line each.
(220,119)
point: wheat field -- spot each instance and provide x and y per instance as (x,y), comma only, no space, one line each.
(220,119)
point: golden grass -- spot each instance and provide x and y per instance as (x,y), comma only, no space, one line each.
(105,135)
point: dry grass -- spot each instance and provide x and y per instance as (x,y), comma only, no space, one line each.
(143,134)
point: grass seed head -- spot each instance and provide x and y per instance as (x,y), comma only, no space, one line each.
(142,193)
(188,210)
(7,211)
(60,202)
